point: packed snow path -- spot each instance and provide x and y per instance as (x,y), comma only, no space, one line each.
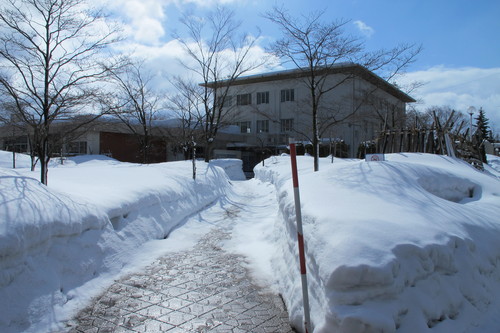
(198,290)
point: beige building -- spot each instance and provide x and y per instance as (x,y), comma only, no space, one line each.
(273,108)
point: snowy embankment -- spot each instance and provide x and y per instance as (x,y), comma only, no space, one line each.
(410,244)
(87,223)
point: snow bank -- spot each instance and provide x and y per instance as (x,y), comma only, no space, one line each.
(232,166)
(31,214)
(493,165)
(86,224)
(409,244)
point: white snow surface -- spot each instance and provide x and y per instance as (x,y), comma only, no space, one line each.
(405,245)
(408,245)
(233,167)
(85,227)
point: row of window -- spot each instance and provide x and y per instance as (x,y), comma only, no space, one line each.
(77,147)
(262,126)
(20,144)
(286,95)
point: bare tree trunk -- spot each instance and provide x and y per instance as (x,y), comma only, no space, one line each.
(208,151)
(315,129)
(44,161)
(50,49)
(315,142)
(194,159)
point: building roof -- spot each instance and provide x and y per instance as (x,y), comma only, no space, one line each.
(340,68)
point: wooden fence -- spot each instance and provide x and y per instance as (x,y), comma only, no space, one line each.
(436,139)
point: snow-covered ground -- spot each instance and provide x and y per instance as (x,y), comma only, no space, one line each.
(409,244)
(85,226)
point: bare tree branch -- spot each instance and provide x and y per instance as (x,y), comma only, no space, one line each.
(315,47)
(208,44)
(50,56)
(134,102)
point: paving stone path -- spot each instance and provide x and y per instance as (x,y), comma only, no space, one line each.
(202,290)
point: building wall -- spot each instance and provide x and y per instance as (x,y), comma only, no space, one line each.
(356,104)
(93,143)
(102,138)
(271,112)
(125,147)
(84,144)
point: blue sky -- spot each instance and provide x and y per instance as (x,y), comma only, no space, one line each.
(454,33)
(460,61)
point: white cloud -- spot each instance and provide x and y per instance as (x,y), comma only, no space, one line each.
(364,28)
(164,60)
(160,59)
(204,3)
(460,88)
(143,19)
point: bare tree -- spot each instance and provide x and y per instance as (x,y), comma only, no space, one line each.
(186,108)
(217,58)
(135,103)
(315,48)
(456,120)
(50,64)
(184,105)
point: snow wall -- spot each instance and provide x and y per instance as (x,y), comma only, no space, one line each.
(232,166)
(52,242)
(406,245)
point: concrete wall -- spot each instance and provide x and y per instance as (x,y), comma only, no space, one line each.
(355,107)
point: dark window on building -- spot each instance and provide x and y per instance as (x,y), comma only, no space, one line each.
(19,144)
(244,126)
(262,126)
(77,147)
(263,97)
(287,95)
(286,125)
(244,99)
(225,101)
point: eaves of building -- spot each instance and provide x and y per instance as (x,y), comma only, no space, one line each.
(300,73)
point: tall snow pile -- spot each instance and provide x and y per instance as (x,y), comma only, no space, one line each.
(232,166)
(410,244)
(86,223)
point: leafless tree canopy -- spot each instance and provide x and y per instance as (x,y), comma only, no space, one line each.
(187,111)
(134,102)
(217,57)
(456,121)
(50,62)
(314,47)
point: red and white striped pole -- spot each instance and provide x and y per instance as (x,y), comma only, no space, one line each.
(300,238)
